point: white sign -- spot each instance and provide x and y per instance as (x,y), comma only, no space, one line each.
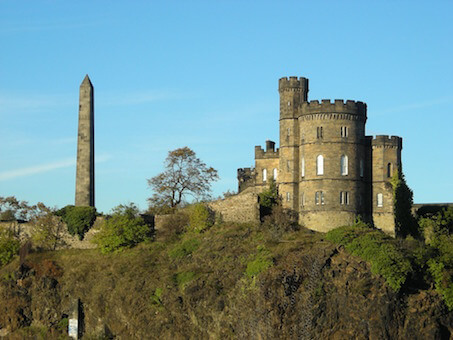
(73,328)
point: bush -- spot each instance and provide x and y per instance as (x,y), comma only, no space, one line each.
(281,221)
(268,198)
(184,248)
(124,229)
(258,263)
(201,217)
(174,224)
(443,281)
(376,248)
(7,215)
(78,219)
(9,246)
(48,231)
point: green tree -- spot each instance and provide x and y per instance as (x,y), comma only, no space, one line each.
(405,223)
(268,199)
(184,175)
(78,219)
(48,230)
(125,228)
(9,246)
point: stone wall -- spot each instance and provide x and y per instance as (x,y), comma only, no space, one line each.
(242,207)
(24,232)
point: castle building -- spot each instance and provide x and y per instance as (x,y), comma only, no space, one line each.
(326,168)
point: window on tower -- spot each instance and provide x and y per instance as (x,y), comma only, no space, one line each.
(274,172)
(320,165)
(344,165)
(319,197)
(319,132)
(344,131)
(344,197)
(380,200)
(264,175)
(389,170)
(302,167)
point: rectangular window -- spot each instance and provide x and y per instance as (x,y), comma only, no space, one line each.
(361,167)
(302,170)
(287,166)
(317,198)
(344,131)
(319,133)
(322,197)
(344,197)
(288,196)
(302,199)
(380,200)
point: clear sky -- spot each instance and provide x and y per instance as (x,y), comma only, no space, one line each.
(204,74)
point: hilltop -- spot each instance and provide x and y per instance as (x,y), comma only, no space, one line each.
(230,281)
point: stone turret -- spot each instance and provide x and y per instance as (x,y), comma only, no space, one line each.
(85,146)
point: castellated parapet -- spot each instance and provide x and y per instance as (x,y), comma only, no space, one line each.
(326,168)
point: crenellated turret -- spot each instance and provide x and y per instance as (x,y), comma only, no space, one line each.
(293,92)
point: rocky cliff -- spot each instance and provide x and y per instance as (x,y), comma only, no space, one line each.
(229,282)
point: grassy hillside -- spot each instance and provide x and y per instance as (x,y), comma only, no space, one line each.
(229,281)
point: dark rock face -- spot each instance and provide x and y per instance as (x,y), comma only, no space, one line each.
(323,293)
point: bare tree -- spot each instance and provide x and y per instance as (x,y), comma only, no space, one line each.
(185,174)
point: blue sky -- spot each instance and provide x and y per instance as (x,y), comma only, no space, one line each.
(204,74)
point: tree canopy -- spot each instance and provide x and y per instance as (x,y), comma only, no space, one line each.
(184,175)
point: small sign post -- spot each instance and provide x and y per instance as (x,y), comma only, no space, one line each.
(73,325)
(73,328)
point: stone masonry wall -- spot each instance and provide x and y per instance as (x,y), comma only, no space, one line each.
(242,207)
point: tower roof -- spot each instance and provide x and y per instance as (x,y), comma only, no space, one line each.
(86,81)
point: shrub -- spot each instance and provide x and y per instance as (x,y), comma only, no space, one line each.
(281,221)
(258,263)
(268,198)
(201,217)
(443,281)
(124,229)
(174,224)
(78,219)
(48,231)
(184,248)
(7,215)
(376,248)
(9,246)
(184,278)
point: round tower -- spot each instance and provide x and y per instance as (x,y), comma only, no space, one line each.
(334,157)
(293,92)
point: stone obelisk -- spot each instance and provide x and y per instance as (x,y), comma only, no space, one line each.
(85,146)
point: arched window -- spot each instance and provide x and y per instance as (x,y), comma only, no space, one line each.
(264,175)
(302,167)
(320,165)
(274,172)
(380,200)
(361,167)
(389,170)
(344,165)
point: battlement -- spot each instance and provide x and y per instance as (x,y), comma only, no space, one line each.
(387,141)
(269,153)
(292,83)
(338,106)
